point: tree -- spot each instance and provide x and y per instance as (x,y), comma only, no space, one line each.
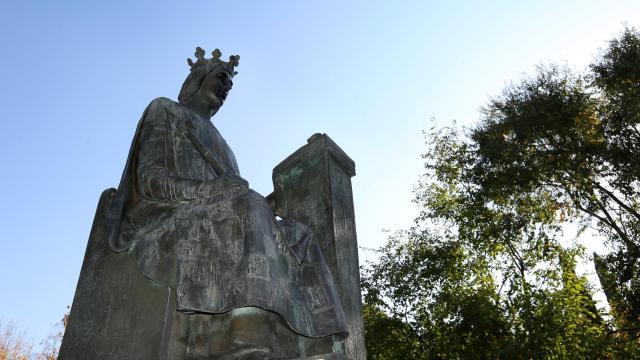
(575,137)
(479,277)
(51,345)
(13,345)
(486,272)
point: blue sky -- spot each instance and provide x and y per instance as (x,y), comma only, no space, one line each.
(76,76)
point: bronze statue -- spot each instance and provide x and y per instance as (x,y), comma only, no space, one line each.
(241,284)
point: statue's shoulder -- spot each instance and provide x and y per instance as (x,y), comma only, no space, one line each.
(163,109)
(163,103)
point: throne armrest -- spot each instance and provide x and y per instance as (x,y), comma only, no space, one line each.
(313,186)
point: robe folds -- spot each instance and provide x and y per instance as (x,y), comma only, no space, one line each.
(219,250)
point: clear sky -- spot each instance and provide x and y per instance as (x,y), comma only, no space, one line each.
(75,77)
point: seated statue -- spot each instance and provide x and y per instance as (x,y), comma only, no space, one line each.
(246,285)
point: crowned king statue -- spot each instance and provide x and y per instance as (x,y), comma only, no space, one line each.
(185,261)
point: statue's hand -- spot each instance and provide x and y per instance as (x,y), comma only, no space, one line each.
(231,184)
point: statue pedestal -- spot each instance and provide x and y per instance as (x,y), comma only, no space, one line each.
(117,313)
(313,186)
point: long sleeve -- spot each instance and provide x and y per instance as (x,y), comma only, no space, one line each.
(155,177)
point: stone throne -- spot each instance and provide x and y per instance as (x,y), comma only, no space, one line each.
(118,313)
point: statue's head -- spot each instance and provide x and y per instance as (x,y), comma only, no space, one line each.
(209,81)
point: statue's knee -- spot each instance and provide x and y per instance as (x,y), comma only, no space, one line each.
(249,319)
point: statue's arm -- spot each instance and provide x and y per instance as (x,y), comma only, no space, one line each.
(155,178)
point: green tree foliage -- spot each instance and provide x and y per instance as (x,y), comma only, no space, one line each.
(487,272)
(575,138)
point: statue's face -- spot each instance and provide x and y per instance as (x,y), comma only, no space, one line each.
(215,88)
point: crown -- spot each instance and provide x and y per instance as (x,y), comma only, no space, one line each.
(234,60)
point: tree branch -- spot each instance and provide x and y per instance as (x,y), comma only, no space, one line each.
(618,201)
(614,226)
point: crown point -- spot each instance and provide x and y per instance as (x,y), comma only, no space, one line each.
(234,60)
(200,61)
(199,53)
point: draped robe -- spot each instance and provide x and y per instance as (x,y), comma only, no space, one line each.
(220,251)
